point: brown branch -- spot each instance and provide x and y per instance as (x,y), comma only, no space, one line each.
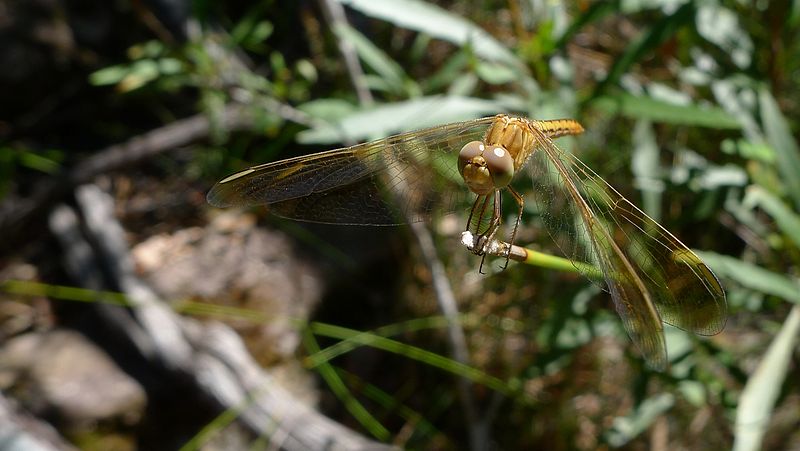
(20,430)
(335,15)
(17,216)
(210,354)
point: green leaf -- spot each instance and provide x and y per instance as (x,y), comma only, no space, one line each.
(750,150)
(147,50)
(780,138)
(594,13)
(328,109)
(169,66)
(638,107)
(646,168)
(39,162)
(794,16)
(648,42)
(694,392)
(252,30)
(678,344)
(377,59)
(720,26)
(454,67)
(494,73)
(109,75)
(752,276)
(383,120)
(721,176)
(763,388)
(463,85)
(437,22)
(786,220)
(625,429)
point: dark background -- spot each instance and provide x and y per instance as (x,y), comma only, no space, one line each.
(690,113)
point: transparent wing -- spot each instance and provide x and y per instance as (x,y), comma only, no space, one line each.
(651,275)
(389,181)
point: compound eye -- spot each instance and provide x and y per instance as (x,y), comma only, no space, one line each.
(500,165)
(470,150)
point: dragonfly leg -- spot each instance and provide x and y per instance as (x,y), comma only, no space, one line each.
(483,258)
(486,239)
(521,204)
(481,215)
(494,224)
(472,211)
(479,206)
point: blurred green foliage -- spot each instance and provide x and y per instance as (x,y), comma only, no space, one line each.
(689,108)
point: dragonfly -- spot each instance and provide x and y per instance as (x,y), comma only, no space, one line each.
(653,278)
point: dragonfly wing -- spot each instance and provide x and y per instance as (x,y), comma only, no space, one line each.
(651,275)
(389,181)
(364,202)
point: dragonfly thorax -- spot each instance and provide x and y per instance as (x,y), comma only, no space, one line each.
(485,168)
(513,134)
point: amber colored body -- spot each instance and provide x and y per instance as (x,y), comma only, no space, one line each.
(518,135)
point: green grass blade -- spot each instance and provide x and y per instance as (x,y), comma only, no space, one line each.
(787,220)
(645,165)
(647,43)
(390,402)
(415,353)
(383,120)
(414,325)
(594,13)
(780,138)
(437,22)
(758,398)
(639,107)
(624,429)
(67,293)
(223,420)
(377,59)
(752,276)
(28,288)
(338,387)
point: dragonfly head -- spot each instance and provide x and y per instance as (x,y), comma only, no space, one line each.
(485,168)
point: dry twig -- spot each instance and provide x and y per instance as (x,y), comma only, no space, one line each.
(211,355)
